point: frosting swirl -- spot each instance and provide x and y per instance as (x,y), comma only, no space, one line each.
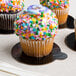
(38,23)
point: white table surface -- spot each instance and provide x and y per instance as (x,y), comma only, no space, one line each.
(65,67)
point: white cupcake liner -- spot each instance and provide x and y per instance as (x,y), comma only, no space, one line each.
(62,15)
(37,47)
(75,23)
(61,12)
(75,27)
(7,20)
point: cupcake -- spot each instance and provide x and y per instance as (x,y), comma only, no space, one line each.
(60,7)
(9,10)
(36,29)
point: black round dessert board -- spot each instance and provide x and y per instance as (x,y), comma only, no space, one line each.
(21,57)
(70,41)
(69,24)
(6,31)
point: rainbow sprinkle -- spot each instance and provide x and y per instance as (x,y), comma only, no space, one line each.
(11,5)
(38,25)
(55,3)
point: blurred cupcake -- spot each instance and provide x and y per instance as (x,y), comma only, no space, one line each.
(36,29)
(9,10)
(60,7)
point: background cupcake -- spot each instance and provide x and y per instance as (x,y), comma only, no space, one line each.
(36,29)
(60,7)
(9,10)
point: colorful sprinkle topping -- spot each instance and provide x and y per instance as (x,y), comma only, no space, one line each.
(37,24)
(55,3)
(11,5)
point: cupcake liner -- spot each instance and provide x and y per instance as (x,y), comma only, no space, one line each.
(75,27)
(62,14)
(7,20)
(37,48)
(75,33)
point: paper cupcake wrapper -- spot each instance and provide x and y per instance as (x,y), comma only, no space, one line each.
(75,33)
(37,48)
(7,21)
(75,27)
(62,15)
(75,23)
(61,12)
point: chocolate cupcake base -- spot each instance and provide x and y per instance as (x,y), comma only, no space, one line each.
(7,20)
(56,53)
